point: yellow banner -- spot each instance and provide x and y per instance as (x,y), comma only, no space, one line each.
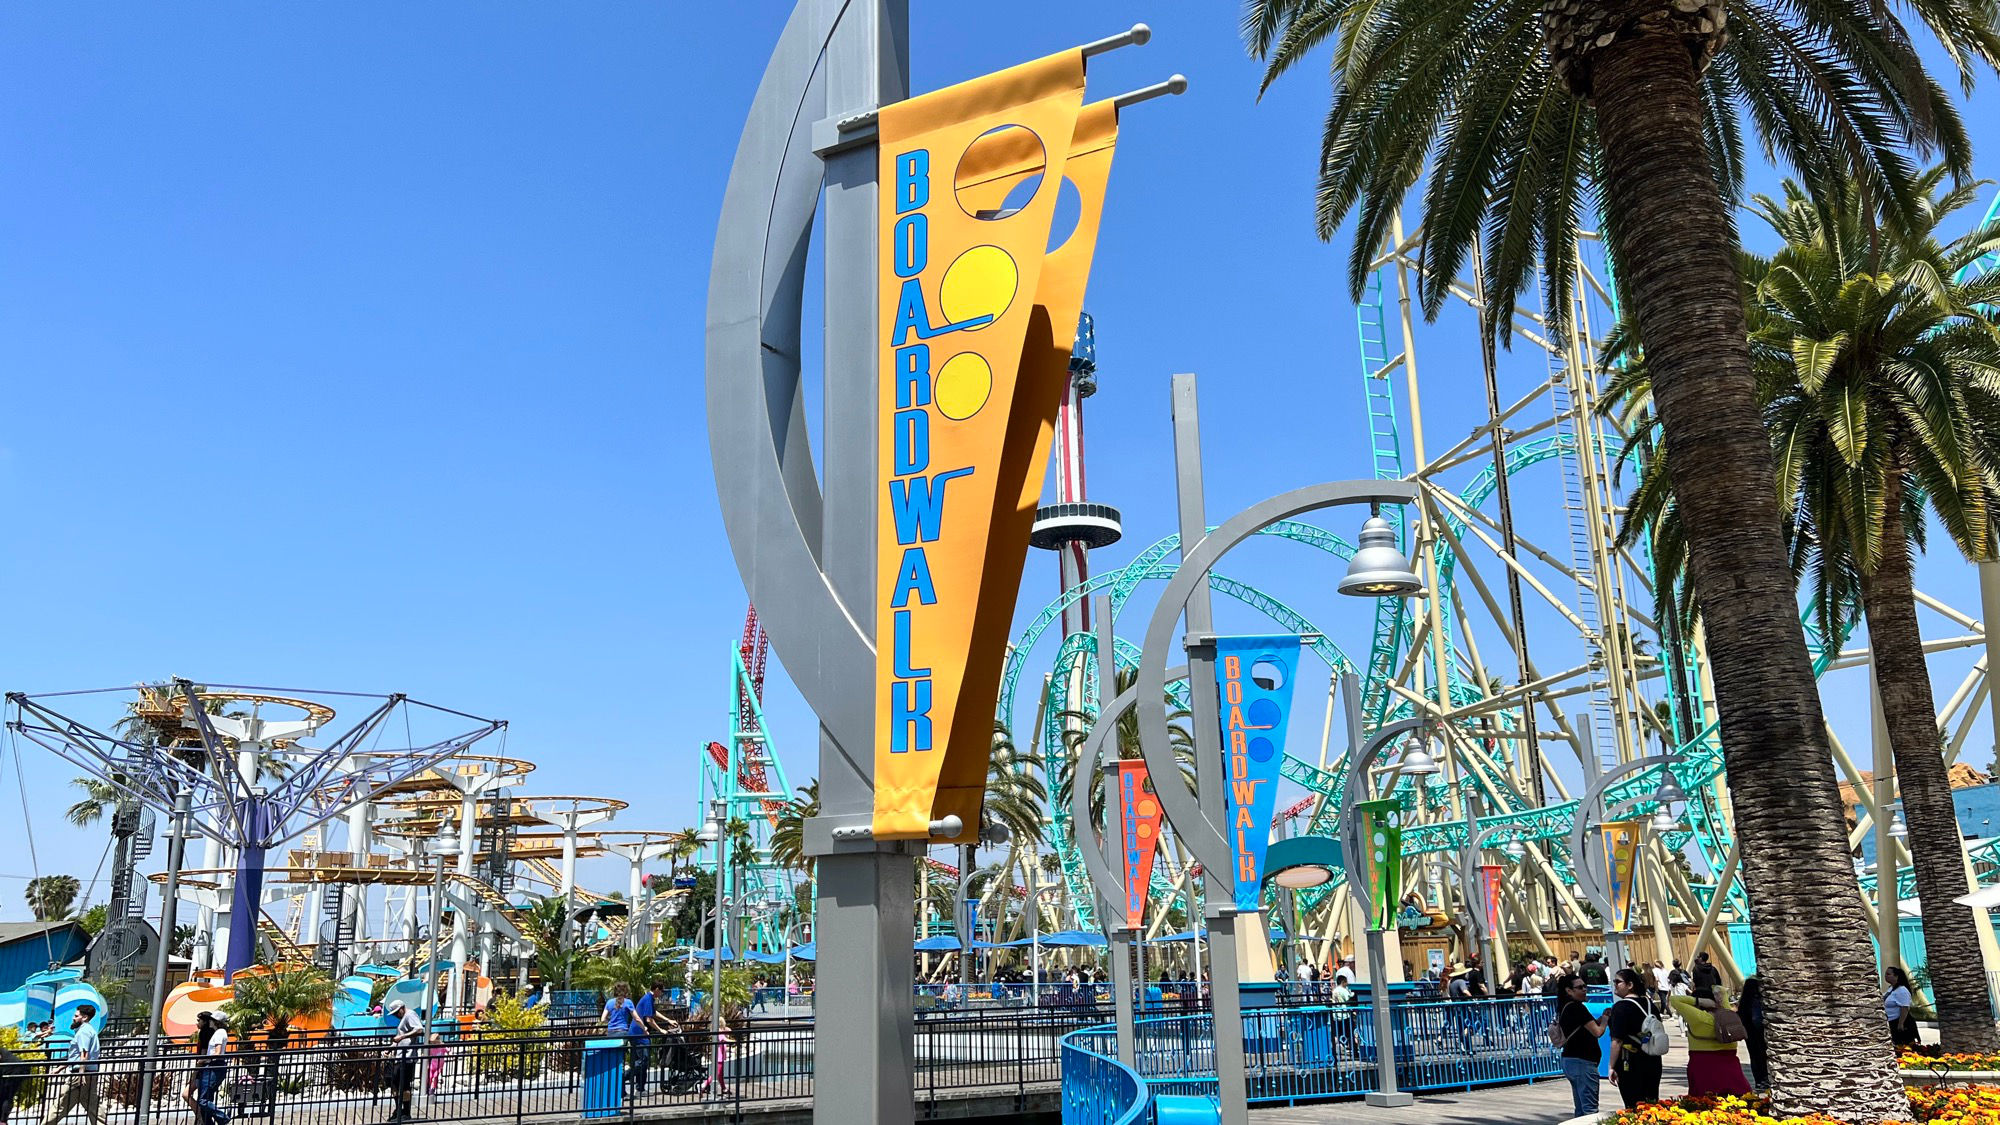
(1621,851)
(977,318)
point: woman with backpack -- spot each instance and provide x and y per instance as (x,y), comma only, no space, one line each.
(1713,1032)
(1576,1033)
(1638,1039)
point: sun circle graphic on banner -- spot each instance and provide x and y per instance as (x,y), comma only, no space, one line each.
(980,282)
(1148,808)
(963,384)
(1261,749)
(1145,831)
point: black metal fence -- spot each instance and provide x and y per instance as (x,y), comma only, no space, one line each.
(493,1077)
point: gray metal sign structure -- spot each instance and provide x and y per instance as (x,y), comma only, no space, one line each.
(806,551)
(807,554)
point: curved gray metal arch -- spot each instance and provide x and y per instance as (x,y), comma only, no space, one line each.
(757,435)
(1197,833)
(1089,842)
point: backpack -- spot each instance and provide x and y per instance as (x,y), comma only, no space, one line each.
(1557,1036)
(1652,1033)
(1728,1026)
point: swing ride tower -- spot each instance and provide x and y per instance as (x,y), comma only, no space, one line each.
(242,756)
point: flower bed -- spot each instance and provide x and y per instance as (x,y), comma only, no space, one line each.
(1940,1105)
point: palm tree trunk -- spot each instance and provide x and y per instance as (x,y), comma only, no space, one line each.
(1951,939)
(1676,245)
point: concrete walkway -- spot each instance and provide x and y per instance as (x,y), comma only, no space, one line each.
(1542,1102)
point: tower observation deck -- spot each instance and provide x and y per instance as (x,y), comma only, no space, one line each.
(1072,526)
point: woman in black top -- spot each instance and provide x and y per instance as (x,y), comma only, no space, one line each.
(1633,1071)
(1580,1052)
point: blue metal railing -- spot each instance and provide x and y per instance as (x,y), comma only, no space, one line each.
(1328,1051)
(1097,1089)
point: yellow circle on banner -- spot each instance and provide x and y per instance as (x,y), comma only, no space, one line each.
(1148,808)
(1145,831)
(963,384)
(980,282)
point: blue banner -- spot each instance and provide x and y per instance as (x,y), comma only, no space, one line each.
(1253,683)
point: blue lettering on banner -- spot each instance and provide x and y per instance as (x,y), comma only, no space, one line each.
(916,500)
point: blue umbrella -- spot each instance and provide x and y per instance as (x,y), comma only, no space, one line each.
(1184,935)
(807,952)
(728,954)
(1021,943)
(943,943)
(1073,937)
(764,958)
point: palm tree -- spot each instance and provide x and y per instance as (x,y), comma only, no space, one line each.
(681,847)
(277,998)
(1528,111)
(98,798)
(1076,725)
(52,897)
(788,835)
(1879,376)
(1015,797)
(636,969)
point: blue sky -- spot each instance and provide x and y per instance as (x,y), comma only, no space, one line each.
(360,346)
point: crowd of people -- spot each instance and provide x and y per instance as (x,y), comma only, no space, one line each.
(1634,1025)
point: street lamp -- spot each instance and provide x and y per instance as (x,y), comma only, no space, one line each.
(443,847)
(1664,821)
(1516,850)
(1416,761)
(1378,569)
(1897,829)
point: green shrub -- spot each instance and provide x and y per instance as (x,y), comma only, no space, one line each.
(506,1015)
(31,1087)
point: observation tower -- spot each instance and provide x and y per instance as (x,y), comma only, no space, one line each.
(1073,526)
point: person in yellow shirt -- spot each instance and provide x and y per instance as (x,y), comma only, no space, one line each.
(1712,1064)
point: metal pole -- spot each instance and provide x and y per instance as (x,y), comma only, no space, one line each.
(866,1057)
(1114,912)
(963,916)
(169,912)
(1232,1086)
(437,920)
(1035,953)
(1360,754)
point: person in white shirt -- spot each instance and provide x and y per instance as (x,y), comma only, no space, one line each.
(409,1036)
(211,1064)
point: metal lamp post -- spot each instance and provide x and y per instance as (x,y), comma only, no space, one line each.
(1197,820)
(169,911)
(443,848)
(711,833)
(1415,762)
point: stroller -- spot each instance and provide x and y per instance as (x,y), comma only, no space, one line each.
(683,1063)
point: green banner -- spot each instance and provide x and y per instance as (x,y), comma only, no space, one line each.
(1382,858)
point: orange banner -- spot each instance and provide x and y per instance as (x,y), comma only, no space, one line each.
(1139,815)
(977,319)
